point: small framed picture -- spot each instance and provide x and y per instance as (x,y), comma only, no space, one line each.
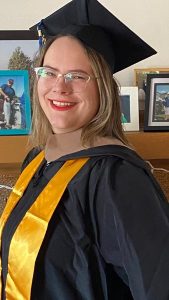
(129,108)
(157,103)
(15,109)
(140,80)
(19,51)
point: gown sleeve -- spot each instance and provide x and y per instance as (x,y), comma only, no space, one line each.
(133,229)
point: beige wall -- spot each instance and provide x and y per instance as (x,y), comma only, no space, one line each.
(148,18)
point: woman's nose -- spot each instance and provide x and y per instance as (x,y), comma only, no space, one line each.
(60,85)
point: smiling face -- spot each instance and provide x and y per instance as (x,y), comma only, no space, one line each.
(67,110)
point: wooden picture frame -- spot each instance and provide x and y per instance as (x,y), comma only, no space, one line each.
(140,80)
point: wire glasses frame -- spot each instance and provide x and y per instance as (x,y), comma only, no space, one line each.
(76,81)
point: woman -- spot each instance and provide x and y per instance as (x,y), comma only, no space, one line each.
(109,230)
(86,219)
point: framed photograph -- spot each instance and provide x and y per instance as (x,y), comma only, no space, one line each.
(140,80)
(129,108)
(19,50)
(15,109)
(157,103)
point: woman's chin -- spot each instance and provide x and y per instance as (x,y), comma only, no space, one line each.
(60,130)
(57,130)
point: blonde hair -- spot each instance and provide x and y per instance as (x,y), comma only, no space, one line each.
(106,123)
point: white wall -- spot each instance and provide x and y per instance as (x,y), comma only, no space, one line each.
(147,18)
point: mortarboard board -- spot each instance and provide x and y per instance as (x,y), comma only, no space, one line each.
(99,29)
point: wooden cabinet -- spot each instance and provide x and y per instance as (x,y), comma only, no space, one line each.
(149,145)
(13,149)
(152,146)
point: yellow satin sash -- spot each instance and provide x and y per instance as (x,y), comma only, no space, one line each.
(30,233)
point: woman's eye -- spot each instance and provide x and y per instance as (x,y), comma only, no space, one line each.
(49,73)
(78,76)
(46,73)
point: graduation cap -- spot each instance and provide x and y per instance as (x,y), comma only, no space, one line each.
(96,27)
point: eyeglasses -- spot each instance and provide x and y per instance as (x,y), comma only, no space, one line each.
(76,81)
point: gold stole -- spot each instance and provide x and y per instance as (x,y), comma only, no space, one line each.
(30,233)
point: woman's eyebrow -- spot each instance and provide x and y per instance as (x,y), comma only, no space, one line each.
(78,71)
(47,66)
(68,71)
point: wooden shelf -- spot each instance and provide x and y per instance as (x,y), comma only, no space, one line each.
(149,145)
(13,149)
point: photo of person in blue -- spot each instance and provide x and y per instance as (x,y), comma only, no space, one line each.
(7,94)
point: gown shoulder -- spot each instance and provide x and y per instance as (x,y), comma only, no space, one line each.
(30,156)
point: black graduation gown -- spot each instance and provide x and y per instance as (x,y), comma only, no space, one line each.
(109,236)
